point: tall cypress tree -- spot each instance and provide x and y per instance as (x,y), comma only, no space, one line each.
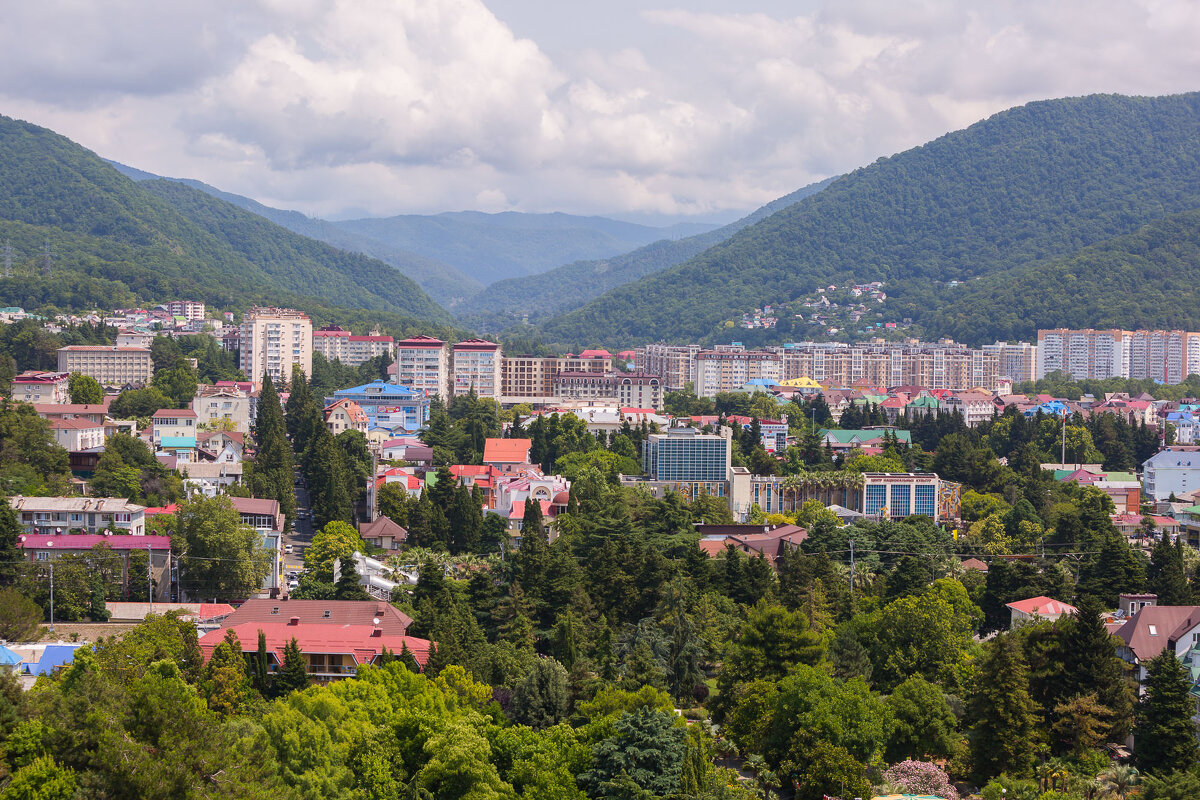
(1003,712)
(1165,576)
(1090,666)
(1164,739)
(10,553)
(303,412)
(327,484)
(273,460)
(1115,569)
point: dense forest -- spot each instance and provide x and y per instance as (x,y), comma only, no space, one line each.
(124,243)
(1035,182)
(551,293)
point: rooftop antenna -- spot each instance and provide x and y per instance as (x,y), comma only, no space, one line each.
(46,260)
(7,258)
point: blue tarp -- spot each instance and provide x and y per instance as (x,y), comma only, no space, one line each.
(55,655)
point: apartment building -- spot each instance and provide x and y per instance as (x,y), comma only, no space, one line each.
(111,366)
(1167,356)
(724,370)
(34,386)
(675,364)
(531,379)
(423,365)
(626,389)
(134,338)
(44,547)
(1015,361)
(476,366)
(337,343)
(271,340)
(944,365)
(50,515)
(685,454)
(217,405)
(188,309)
(1083,354)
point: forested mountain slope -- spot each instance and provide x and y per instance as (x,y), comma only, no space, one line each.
(1146,279)
(492,247)
(1035,182)
(571,285)
(115,242)
(442,282)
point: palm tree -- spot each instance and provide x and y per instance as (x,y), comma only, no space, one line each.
(1118,781)
(792,485)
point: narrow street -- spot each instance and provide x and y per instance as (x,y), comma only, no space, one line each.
(301,534)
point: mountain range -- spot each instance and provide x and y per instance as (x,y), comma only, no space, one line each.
(453,256)
(996,205)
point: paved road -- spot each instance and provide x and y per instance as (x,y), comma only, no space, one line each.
(301,535)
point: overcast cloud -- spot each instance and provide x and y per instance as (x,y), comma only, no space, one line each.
(343,107)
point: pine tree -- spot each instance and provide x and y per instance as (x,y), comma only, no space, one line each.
(1164,738)
(1115,569)
(304,415)
(272,476)
(261,674)
(293,676)
(1090,666)
(1004,714)
(10,552)
(1165,576)
(327,484)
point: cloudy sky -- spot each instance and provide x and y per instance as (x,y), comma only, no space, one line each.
(638,109)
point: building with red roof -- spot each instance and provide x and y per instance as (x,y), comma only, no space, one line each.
(476,367)
(1039,608)
(335,636)
(35,386)
(506,454)
(41,548)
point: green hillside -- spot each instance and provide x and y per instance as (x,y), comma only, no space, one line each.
(571,285)
(492,247)
(1035,182)
(115,242)
(1146,279)
(445,284)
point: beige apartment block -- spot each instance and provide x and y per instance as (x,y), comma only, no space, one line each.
(110,366)
(272,340)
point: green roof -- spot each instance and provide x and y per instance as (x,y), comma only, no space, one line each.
(846,437)
(926,401)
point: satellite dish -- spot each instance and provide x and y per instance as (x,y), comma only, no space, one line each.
(375,621)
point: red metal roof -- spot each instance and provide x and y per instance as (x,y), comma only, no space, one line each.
(356,641)
(506,451)
(392,620)
(86,541)
(1043,606)
(421,341)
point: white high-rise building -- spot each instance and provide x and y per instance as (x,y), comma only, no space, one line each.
(477,368)
(271,340)
(423,365)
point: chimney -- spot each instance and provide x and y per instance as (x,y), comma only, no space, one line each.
(294,621)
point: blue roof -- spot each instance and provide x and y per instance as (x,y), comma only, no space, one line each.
(177,441)
(55,655)
(8,658)
(378,388)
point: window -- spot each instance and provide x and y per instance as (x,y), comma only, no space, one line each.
(327,613)
(274,609)
(43,555)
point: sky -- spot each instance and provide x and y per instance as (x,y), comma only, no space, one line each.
(644,111)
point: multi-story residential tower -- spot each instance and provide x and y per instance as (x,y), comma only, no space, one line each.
(476,367)
(334,342)
(423,365)
(271,340)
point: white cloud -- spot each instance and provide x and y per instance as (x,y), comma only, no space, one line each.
(389,106)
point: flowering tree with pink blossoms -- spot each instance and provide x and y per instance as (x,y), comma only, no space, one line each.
(920,777)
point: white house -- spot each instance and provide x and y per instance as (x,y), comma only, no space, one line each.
(1038,608)
(1173,471)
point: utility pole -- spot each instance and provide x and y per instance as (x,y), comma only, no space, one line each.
(150,576)
(851,574)
(51,596)
(1064,438)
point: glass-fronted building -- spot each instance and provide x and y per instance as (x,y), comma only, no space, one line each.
(387,405)
(686,455)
